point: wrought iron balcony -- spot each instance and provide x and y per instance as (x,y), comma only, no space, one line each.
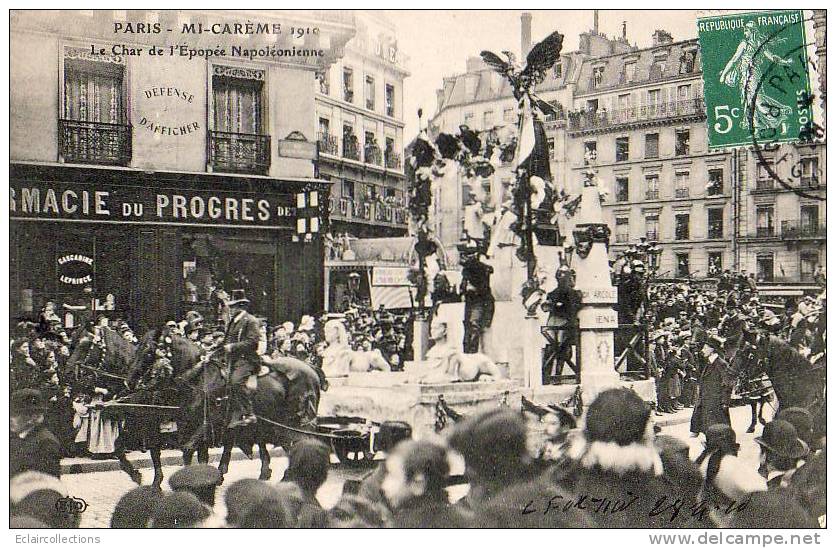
(802,230)
(681,193)
(765,232)
(652,235)
(239,152)
(651,195)
(715,233)
(622,197)
(94,142)
(602,119)
(622,238)
(373,155)
(328,144)
(351,149)
(765,184)
(393,160)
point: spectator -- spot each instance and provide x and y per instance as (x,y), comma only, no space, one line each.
(179,510)
(31,445)
(416,477)
(243,494)
(135,508)
(390,435)
(353,512)
(781,451)
(266,513)
(308,465)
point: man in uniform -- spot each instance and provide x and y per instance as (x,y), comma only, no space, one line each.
(240,345)
(562,304)
(478,297)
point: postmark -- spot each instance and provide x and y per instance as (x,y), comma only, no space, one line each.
(759,77)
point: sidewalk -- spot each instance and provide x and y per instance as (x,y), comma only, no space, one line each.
(142,460)
(682,416)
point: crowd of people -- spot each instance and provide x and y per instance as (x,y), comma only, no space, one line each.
(615,471)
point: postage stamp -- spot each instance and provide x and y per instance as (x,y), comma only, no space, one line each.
(760,78)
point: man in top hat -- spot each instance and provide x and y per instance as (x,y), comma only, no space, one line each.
(716,383)
(32,447)
(781,451)
(240,345)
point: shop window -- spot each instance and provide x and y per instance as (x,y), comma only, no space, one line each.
(212,264)
(92,125)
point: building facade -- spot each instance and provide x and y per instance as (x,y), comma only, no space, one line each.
(359,107)
(641,112)
(145,176)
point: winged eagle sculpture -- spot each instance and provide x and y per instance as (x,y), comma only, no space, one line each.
(541,58)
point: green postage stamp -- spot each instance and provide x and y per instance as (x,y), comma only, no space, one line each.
(760,78)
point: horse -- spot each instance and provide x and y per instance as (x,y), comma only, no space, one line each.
(102,357)
(286,395)
(796,381)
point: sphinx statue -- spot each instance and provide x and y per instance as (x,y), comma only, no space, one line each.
(339,359)
(449,364)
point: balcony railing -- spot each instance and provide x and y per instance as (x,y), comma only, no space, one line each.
(796,230)
(367,210)
(715,234)
(622,197)
(239,152)
(351,149)
(681,193)
(622,238)
(94,142)
(328,144)
(765,184)
(651,195)
(373,155)
(765,232)
(393,160)
(601,119)
(652,235)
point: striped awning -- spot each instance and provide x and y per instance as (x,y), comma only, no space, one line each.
(391,297)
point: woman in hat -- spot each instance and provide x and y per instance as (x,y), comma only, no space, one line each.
(727,477)
(716,383)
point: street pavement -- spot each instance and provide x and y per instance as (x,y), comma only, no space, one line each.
(102,490)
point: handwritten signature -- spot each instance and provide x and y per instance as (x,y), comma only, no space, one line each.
(677,508)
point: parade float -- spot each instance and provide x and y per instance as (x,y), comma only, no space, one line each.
(528,242)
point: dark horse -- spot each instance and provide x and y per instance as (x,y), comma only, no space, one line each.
(101,357)
(796,382)
(288,394)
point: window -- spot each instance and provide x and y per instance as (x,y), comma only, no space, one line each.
(715,223)
(657,69)
(371,150)
(592,105)
(236,140)
(348,189)
(622,189)
(351,145)
(810,172)
(766,267)
(597,77)
(683,92)
(622,229)
(323,81)
(715,182)
(369,92)
(687,62)
(622,149)
(509,115)
(653,99)
(715,263)
(651,145)
(590,151)
(809,220)
(558,70)
(348,85)
(683,265)
(683,142)
(487,119)
(651,186)
(764,178)
(765,221)
(682,226)
(651,226)
(468,119)
(809,262)
(550,142)
(324,126)
(681,180)
(624,102)
(93,125)
(390,100)
(629,73)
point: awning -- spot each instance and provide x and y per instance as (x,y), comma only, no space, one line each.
(391,297)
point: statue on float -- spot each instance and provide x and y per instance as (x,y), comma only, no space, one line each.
(339,359)
(448,364)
